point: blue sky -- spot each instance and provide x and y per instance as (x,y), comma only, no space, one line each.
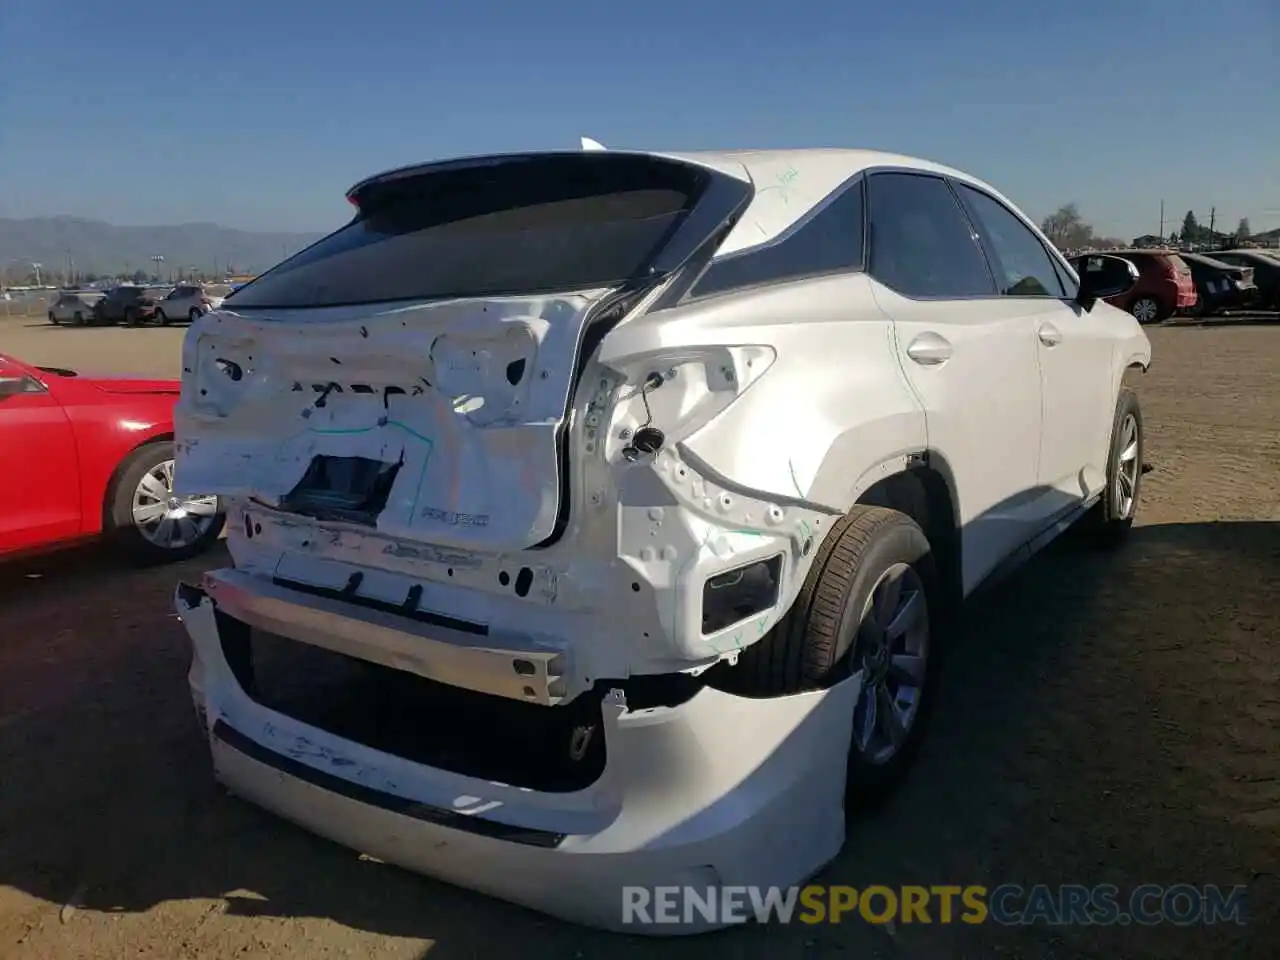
(260,114)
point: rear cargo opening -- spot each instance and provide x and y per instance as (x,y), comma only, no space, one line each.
(548,749)
(413,372)
(352,489)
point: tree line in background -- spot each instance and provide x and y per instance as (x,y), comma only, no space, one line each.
(1067,230)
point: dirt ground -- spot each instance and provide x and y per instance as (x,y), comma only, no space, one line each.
(1107,718)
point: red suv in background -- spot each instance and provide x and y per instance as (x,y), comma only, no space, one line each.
(1164,285)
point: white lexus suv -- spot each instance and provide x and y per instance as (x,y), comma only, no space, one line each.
(596,516)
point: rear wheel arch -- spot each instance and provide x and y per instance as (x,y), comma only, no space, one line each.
(925,491)
(923,494)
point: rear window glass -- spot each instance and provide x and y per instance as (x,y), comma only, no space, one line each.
(530,226)
(1179,265)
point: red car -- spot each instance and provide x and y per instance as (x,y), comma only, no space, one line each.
(1164,286)
(83,456)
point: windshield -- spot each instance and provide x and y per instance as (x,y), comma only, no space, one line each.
(521,227)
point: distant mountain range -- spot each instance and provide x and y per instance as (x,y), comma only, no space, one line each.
(61,244)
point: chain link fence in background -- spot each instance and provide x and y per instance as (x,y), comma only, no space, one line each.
(33,303)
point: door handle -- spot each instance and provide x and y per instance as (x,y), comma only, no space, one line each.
(1050,335)
(929,349)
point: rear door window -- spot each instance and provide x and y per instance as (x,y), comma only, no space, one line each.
(921,242)
(1023,266)
(519,227)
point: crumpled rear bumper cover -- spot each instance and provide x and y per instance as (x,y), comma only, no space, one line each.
(720,790)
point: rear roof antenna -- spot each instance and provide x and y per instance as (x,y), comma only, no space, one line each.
(589,144)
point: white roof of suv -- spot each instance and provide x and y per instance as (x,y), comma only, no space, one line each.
(791,182)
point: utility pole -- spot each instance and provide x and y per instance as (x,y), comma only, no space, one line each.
(1213,213)
(1161,221)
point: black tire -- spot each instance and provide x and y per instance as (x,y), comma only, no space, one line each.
(1111,520)
(52,318)
(130,317)
(194,315)
(816,643)
(120,525)
(78,319)
(161,319)
(1156,312)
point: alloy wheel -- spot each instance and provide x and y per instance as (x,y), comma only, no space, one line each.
(1128,468)
(165,520)
(891,650)
(1146,310)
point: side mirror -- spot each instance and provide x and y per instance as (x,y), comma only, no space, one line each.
(1103,276)
(11,385)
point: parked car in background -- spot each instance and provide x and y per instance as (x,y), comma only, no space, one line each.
(186,301)
(128,303)
(1164,283)
(1266,273)
(1220,286)
(74,307)
(97,458)
(654,486)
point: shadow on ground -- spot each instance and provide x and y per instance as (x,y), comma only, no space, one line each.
(1106,718)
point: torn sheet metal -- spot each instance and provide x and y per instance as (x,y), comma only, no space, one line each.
(466,397)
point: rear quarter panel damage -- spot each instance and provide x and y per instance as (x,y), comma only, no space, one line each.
(805,425)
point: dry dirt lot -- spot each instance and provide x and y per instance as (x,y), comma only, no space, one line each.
(1109,718)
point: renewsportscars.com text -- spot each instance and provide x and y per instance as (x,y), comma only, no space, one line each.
(1008,904)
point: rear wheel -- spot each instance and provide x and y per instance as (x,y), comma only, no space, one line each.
(147,521)
(78,319)
(161,318)
(1147,310)
(865,607)
(194,315)
(52,318)
(130,317)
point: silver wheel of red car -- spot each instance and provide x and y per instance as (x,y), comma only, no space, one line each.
(149,520)
(1146,310)
(168,521)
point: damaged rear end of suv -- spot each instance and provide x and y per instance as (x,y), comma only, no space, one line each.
(487,604)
